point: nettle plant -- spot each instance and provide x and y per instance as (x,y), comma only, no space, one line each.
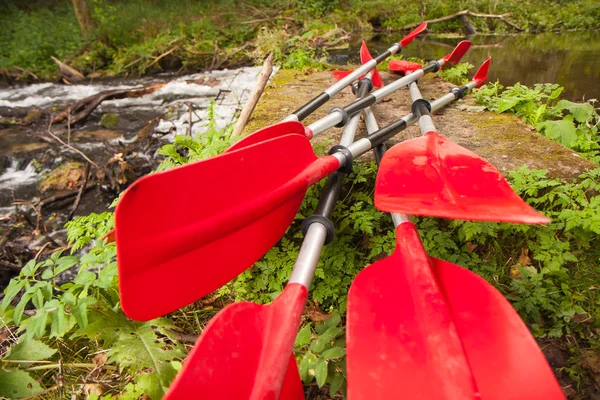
(574,125)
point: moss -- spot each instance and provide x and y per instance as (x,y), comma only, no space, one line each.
(109,120)
(66,176)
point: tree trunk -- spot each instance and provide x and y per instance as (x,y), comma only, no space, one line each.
(83,16)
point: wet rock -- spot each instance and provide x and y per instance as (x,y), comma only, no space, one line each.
(109,120)
(66,176)
(503,139)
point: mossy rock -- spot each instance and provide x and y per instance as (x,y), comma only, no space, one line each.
(109,120)
(66,176)
(503,139)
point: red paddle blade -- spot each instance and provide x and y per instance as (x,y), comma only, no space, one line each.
(339,75)
(403,66)
(410,37)
(244,353)
(505,359)
(457,54)
(442,179)
(401,341)
(365,57)
(176,229)
(481,75)
(270,132)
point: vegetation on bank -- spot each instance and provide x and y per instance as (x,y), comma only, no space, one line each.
(70,336)
(149,36)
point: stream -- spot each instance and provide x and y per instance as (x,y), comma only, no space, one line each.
(571,59)
(121,136)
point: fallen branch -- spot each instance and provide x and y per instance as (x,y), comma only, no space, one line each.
(63,196)
(86,176)
(69,146)
(465,13)
(84,107)
(68,73)
(262,80)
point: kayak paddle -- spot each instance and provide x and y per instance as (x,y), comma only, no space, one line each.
(403,66)
(442,179)
(423,318)
(253,343)
(339,116)
(243,200)
(337,87)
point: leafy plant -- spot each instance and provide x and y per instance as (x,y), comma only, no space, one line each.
(574,125)
(457,74)
(322,350)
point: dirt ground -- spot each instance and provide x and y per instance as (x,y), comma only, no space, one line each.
(503,139)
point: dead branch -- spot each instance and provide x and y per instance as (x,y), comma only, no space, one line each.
(62,196)
(40,220)
(84,107)
(262,80)
(465,13)
(68,73)
(166,53)
(69,146)
(86,176)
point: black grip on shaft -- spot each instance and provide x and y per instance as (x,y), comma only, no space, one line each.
(359,105)
(387,132)
(459,92)
(421,107)
(433,66)
(383,56)
(311,106)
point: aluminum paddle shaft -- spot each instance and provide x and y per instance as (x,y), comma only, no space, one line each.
(339,116)
(328,93)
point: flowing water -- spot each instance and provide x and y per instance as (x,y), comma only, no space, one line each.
(570,59)
(25,158)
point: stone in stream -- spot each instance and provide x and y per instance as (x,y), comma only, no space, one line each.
(503,139)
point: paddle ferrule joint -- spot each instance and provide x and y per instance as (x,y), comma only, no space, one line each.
(346,166)
(343,113)
(433,66)
(459,92)
(421,107)
(319,219)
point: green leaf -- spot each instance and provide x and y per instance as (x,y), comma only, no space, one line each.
(30,350)
(47,274)
(336,384)
(581,111)
(20,308)
(85,277)
(64,263)
(61,322)
(14,287)
(15,384)
(321,371)
(563,131)
(334,352)
(507,104)
(36,325)
(334,320)
(323,340)
(307,367)
(303,337)
(30,268)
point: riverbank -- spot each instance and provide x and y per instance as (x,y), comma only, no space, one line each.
(136,38)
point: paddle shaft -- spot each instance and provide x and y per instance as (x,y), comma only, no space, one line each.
(318,227)
(363,145)
(339,116)
(337,87)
